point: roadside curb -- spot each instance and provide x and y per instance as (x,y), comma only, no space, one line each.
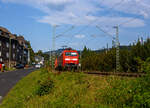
(13,70)
(1,98)
(7,71)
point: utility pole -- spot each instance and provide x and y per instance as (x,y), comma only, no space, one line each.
(23,55)
(49,56)
(107,48)
(117,49)
(9,52)
(1,51)
(29,56)
(80,59)
(51,62)
(53,42)
(53,45)
(113,42)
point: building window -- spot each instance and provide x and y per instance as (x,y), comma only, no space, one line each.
(17,50)
(7,55)
(7,44)
(0,32)
(25,52)
(26,45)
(0,43)
(13,56)
(14,46)
(7,35)
(0,53)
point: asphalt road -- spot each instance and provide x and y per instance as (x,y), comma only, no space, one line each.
(9,79)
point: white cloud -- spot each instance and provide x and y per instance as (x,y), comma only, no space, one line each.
(79,36)
(83,12)
(40,2)
(137,7)
(74,45)
(109,21)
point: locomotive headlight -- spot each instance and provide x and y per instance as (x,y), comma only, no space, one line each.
(74,59)
(67,59)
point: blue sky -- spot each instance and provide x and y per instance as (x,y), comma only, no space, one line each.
(35,19)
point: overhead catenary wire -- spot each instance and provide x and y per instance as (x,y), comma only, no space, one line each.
(94,21)
(116,4)
(126,22)
(130,20)
(117,46)
(61,34)
(104,31)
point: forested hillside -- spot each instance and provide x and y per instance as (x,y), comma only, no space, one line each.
(131,58)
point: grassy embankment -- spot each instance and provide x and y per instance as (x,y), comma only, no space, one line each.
(43,89)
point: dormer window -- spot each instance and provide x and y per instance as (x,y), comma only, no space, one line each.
(0,32)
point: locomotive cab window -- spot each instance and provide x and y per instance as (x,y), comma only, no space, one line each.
(71,54)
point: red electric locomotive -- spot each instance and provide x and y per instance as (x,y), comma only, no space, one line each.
(69,59)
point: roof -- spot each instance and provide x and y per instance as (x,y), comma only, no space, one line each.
(4,29)
(12,36)
(20,37)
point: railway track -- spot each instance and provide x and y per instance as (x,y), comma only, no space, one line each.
(123,74)
(117,74)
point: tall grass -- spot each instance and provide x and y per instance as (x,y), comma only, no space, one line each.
(44,89)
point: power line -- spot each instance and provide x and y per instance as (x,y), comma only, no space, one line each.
(117,45)
(61,34)
(128,21)
(92,22)
(104,31)
(117,4)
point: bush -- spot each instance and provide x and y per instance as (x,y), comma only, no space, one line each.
(44,87)
(127,94)
(117,94)
(142,89)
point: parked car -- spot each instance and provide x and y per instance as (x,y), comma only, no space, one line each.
(37,65)
(19,66)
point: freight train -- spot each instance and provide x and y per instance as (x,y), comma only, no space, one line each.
(68,59)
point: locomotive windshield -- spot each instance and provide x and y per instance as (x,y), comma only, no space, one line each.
(71,54)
